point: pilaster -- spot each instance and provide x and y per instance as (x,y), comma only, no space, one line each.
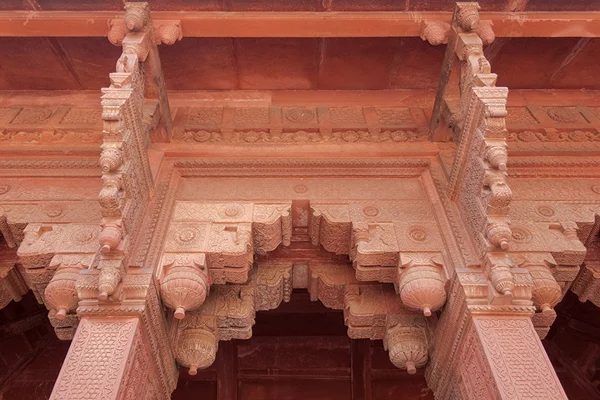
(110,358)
(489,352)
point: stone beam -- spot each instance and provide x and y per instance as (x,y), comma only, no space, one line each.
(299,24)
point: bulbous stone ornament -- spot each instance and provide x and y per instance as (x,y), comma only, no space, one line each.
(407,347)
(109,278)
(498,233)
(117,32)
(197,349)
(61,294)
(435,32)
(497,156)
(546,291)
(110,237)
(421,287)
(111,159)
(136,16)
(185,284)
(468,16)
(502,279)
(168,33)
(486,32)
(501,193)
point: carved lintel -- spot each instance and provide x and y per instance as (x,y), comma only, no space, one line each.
(374,250)
(331,227)
(271,226)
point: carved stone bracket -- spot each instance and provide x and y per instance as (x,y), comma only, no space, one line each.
(215,243)
(587,283)
(371,311)
(380,251)
(12,284)
(52,257)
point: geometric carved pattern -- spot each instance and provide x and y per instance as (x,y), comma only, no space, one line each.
(109,359)
(517,358)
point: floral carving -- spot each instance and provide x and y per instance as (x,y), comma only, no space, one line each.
(418,234)
(370,211)
(394,116)
(521,235)
(32,116)
(346,116)
(298,115)
(564,115)
(205,116)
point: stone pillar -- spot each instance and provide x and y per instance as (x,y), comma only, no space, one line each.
(110,358)
(489,352)
(120,349)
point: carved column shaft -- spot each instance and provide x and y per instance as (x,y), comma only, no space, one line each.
(489,352)
(110,358)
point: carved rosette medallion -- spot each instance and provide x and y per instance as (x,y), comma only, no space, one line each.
(232,210)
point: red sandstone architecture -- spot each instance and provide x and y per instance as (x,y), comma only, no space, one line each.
(250,171)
